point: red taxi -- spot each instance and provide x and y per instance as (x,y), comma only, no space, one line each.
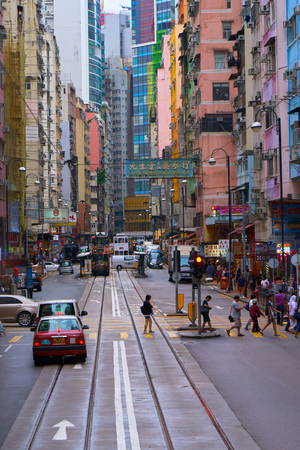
(59,336)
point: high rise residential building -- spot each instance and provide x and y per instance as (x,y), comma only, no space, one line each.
(77,27)
(2,142)
(117,24)
(150,21)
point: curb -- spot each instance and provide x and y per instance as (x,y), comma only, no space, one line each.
(200,336)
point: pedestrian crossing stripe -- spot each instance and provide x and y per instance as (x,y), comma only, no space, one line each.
(93,335)
(171,334)
(124,335)
(148,335)
(15,339)
(256,334)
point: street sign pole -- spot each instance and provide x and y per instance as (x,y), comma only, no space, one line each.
(176,280)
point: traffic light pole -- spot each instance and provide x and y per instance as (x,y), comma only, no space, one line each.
(199,305)
(176,279)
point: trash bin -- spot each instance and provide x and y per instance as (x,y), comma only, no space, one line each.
(224,282)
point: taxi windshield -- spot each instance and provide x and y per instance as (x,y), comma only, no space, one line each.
(62,324)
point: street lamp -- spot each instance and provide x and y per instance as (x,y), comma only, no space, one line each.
(183,183)
(256,127)
(212,162)
(22,170)
(172,190)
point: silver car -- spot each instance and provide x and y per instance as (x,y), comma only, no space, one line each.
(16,308)
(65,267)
(51,266)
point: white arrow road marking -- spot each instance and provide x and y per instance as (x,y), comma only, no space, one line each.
(61,434)
(219,307)
(77,366)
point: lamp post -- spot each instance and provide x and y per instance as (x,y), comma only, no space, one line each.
(183,183)
(212,162)
(172,190)
(37,183)
(256,127)
(21,169)
(161,223)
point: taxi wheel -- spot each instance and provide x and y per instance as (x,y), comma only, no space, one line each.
(24,319)
(82,358)
(37,360)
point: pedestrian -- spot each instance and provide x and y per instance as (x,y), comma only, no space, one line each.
(252,282)
(250,304)
(298,322)
(210,270)
(264,282)
(236,313)
(292,308)
(2,329)
(148,312)
(270,316)
(255,313)
(205,313)
(16,275)
(281,301)
(241,282)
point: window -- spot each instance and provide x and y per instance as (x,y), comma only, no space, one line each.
(270,167)
(27,85)
(226,30)
(228,4)
(220,91)
(270,119)
(216,123)
(219,60)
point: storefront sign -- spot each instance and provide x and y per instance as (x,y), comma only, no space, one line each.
(55,237)
(291,218)
(72,220)
(159,168)
(212,251)
(56,215)
(265,251)
(236,210)
(238,250)
(287,249)
(54,230)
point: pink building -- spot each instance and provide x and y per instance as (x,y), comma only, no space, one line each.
(2,142)
(213,23)
(163,99)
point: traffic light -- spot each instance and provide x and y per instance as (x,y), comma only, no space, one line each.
(176,260)
(198,265)
(134,246)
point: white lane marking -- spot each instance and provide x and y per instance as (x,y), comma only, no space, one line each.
(61,434)
(94,301)
(134,437)
(219,307)
(77,366)
(6,350)
(115,299)
(121,443)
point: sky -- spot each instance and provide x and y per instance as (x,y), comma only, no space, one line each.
(114,5)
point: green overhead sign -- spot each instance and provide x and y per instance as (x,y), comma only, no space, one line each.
(159,168)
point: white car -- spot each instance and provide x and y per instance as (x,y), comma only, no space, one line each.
(51,266)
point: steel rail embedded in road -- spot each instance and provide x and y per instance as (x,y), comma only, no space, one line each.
(189,379)
(147,372)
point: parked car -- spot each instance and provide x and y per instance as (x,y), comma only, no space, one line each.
(36,279)
(58,308)
(51,266)
(16,308)
(66,267)
(59,336)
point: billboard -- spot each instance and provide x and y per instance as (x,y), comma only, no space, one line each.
(56,215)
(291,218)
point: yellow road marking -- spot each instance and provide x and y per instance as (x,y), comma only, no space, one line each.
(148,335)
(256,334)
(282,335)
(171,334)
(16,338)
(124,335)
(93,335)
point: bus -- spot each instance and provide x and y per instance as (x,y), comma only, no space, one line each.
(100,255)
(71,251)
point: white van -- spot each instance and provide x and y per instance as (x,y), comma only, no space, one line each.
(120,262)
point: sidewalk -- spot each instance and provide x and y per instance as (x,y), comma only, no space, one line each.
(223,291)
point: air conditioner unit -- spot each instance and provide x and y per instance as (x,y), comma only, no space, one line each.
(270,50)
(289,74)
(250,25)
(296,124)
(287,24)
(265,10)
(269,103)
(297,10)
(295,155)
(243,119)
(252,103)
(265,156)
(252,71)
(264,58)
(261,210)
(273,151)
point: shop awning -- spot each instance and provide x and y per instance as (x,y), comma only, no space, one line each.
(239,230)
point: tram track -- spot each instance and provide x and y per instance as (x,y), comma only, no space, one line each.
(206,407)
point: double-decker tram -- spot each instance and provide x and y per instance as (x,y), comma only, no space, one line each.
(100,255)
